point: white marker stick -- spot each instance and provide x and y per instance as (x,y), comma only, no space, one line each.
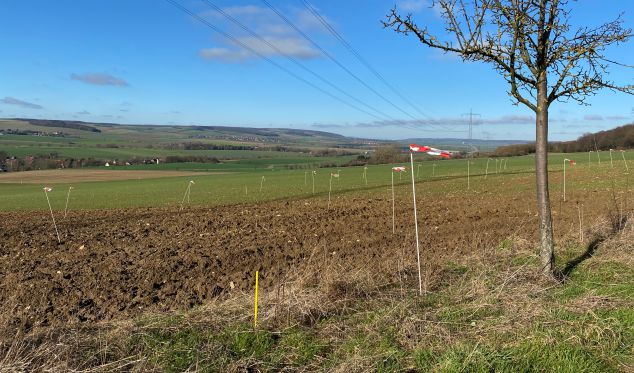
(486,172)
(393,213)
(580,223)
(187,191)
(420,279)
(329,190)
(67,198)
(565,160)
(468,174)
(46,190)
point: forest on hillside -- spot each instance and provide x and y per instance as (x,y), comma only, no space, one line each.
(617,138)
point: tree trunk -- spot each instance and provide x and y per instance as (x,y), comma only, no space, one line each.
(546,252)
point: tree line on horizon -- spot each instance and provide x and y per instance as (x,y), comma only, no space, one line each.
(617,138)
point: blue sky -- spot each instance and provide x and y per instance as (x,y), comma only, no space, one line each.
(144,61)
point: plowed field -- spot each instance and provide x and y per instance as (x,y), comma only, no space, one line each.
(115,264)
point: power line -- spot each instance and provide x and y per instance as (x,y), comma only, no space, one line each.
(333,59)
(363,61)
(291,58)
(247,47)
(471,114)
(360,58)
(284,69)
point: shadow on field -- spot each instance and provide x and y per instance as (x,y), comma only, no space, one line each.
(617,225)
(587,254)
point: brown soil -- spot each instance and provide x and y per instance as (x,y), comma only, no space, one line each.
(120,263)
(79,175)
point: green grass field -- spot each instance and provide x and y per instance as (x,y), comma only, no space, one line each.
(248,164)
(87,151)
(241,183)
(145,141)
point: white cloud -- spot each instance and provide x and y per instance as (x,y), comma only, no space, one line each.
(269,26)
(291,46)
(306,20)
(25,104)
(412,6)
(593,117)
(224,54)
(248,10)
(99,79)
(455,121)
(327,125)
(616,117)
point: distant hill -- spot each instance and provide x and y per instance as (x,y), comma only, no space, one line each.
(175,132)
(268,132)
(617,138)
(199,137)
(60,124)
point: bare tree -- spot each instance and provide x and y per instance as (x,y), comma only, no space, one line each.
(532,45)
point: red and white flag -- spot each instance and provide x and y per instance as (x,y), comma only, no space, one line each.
(418,148)
(572,162)
(429,150)
(398,169)
(47,189)
(333,174)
